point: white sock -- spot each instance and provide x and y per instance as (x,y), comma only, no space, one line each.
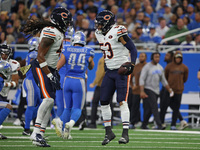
(125,115)
(71,123)
(106,114)
(44,108)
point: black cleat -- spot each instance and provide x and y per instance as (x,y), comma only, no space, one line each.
(109,137)
(27,132)
(2,137)
(40,141)
(124,139)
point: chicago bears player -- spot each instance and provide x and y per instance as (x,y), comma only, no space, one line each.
(62,73)
(5,107)
(12,80)
(116,46)
(31,89)
(44,67)
(77,59)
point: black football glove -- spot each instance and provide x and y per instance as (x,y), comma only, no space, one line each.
(54,82)
(129,67)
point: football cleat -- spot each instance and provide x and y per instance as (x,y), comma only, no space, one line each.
(40,141)
(183,125)
(27,132)
(109,137)
(124,139)
(67,131)
(2,137)
(58,126)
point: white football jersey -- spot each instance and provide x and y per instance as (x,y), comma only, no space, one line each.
(52,55)
(115,53)
(14,66)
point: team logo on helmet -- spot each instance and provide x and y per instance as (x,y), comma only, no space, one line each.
(107,17)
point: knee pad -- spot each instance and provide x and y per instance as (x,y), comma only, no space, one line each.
(49,101)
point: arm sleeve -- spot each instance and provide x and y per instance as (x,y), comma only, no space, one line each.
(131,47)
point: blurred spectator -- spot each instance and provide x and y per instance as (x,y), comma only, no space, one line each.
(92,12)
(138,7)
(40,8)
(13,17)
(153,16)
(23,12)
(132,13)
(130,24)
(53,4)
(90,5)
(175,30)
(79,6)
(185,6)
(176,74)
(85,29)
(186,21)
(139,31)
(146,23)
(173,20)
(198,75)
(125,9)
(179,12)
(9,34)
(167,15)
(3,38)
(160,8)
(152,36)
(197,6)
(109,4)
(21,40)
(79,18)
(140,16)
(188,42)
(162,28)
(190,12)
(195,24)
(135,37)
(114,10)
(33,16)
(197,41)
(16,26)
(146,3)
(3,19)
(134,103)
(174,4)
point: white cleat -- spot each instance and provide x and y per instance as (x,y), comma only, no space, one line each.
(183,125)
(58,126)
(67,131)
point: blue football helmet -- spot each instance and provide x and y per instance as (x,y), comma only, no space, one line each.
(33,44)
(106,19)
(69,33)
(5,69)
(62,18)
(5,49)
(79,38)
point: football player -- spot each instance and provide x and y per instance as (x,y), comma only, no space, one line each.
(5,107)
(31,89)
(44,67)
(77,59)
(12,80)
(116,46)
(62,72)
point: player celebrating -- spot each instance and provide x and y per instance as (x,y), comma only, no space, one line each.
(77,59)
(116,45)
(5,71)
(44,67)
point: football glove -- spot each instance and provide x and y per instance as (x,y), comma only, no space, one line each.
(54,81)
(129,67)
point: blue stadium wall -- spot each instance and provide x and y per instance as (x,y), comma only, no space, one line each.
(192,60)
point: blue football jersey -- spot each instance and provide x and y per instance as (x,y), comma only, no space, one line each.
(77,60)
(62,70)
(29,56)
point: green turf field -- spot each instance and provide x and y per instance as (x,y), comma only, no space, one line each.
(90,139)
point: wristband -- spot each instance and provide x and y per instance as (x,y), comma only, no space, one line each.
(49,75)
(43,64)
(13,84)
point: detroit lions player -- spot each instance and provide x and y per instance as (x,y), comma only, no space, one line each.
(116,45)
(44,67)
(5,107)
(12,81)
(32,91)
(77,59)
(59,93)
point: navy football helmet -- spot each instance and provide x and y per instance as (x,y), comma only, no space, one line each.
(62,18)
(79,38)
(5,49)
(106,19)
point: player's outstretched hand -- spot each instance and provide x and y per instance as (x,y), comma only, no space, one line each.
(54,81)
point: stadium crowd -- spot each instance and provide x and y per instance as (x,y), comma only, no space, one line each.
(146,20)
